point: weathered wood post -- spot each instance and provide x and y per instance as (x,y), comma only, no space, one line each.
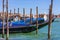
(18,14)
(7,34)
(10,12)
(30,15)
(24,14)
(50,19)
(18,11)
(14,12)
(10,15)
(3,19)
(36,19)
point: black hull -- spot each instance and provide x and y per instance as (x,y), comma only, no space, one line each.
(25,29)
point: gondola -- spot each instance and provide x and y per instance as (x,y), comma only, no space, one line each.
(34,20)
(22,27)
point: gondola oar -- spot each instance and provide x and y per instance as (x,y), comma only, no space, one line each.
(50,19)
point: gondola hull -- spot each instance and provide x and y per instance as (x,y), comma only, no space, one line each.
(25,29)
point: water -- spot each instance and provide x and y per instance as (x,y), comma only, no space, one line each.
(42,33)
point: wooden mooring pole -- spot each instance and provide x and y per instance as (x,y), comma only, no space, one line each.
(7,34)
(14,11)
(3,19)
(30,15)
(24,14)
(10,13)
(18,14)
(36,20)
(18,11)
(10,16)
(50,19)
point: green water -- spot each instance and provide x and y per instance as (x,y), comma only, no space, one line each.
(42,33)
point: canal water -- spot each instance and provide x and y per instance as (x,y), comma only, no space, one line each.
(42,33)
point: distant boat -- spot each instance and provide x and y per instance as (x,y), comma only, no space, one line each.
(22,27)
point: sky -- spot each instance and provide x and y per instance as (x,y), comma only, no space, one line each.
(43,6)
